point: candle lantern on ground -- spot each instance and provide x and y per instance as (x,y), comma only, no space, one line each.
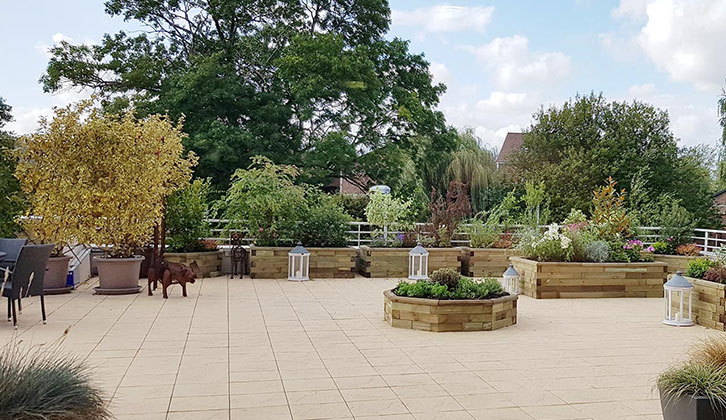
(418,263)
(298,263)
(511,280)
(677,297)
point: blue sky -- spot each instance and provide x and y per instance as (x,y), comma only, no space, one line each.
(501,60)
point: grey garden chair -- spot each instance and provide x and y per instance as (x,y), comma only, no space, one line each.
(12,248)
(26,278)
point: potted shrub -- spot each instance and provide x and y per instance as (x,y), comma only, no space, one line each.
(114,172)
(696,389)
(265,200)
(447,301)
(186,228)
(589,259)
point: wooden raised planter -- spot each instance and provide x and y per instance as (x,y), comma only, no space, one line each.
(393,262)
(449,315)
(709,303)
(555,280)
(675,262)
(209,262)
(271,262)
(485,262)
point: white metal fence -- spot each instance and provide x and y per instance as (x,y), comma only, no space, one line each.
(709,240)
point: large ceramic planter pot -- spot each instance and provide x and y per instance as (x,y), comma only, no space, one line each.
(449,315)
(209,262)
(688,407)
(562,280)
(56,272)
(118,276)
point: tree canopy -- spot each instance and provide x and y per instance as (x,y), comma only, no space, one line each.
(10,196)
(575,147)
(298,81)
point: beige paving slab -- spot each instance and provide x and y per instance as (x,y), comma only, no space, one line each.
(272,349)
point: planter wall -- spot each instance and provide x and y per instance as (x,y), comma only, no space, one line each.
(210,262)
(709,303)
(485,262)
(449,315)
(555,280)
(675,262)
(271,262)
(393,262)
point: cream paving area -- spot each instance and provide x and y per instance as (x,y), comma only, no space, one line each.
(267,349)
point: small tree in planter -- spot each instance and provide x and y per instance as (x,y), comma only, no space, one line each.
(384,211)
(110,175)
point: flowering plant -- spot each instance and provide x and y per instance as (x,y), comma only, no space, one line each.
(550,246)
(636,245)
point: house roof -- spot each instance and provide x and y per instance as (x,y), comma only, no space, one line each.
(512,144)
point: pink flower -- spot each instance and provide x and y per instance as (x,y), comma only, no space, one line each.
(650,249)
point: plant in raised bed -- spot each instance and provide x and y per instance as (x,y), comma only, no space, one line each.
(324,224)
(698,267)
(186,211)
(449,284)
(386,212)
(446,215)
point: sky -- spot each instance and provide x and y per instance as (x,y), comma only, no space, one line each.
(501,60)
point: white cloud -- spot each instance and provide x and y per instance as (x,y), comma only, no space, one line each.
(640,91)
(58,37)
(445,18)
(513,65)
(684,38)
(25,120)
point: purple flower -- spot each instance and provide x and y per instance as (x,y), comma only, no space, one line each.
(399,236)
(650,249)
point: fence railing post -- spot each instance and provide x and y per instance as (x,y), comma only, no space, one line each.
(705,242)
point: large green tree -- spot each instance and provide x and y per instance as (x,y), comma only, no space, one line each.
(309,82)
(574,147)
(10,196)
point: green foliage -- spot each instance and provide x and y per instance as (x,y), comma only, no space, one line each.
(663,248)
(265,200)
(325,224)
(42,383)
(697,380)
(534,198)
(466,288)
(318,85)
(483,235)
(597,251)
(572,147)
(447,277)
(186,210)
(446,214)
(353,204)
(11,201)
(575,217)
(385,210)
(676,224)
(609,215)
(473,166)
(548,246)
(698,267)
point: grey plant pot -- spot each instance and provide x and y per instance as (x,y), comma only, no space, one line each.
(690,408)
(54,281)
(118,276)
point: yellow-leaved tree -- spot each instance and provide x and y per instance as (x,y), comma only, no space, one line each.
(101,179)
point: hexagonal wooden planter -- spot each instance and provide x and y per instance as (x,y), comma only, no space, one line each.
(709,303)
(485,262)
(449,315)
(271,262)
(210,262)
(393,262)
(555,280)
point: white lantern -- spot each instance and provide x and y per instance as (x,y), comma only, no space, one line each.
(298,263)
(678,286)
(418,263)
(511,280)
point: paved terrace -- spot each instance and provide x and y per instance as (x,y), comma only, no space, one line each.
(266,349)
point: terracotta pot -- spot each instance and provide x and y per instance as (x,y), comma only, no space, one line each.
(688,407)
(55,276)
(118,276)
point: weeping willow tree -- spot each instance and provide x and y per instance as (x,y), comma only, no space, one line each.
(474,166)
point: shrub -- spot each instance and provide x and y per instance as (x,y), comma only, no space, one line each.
(98,178)
(677,224)
(383,210)
(663,248)
(710,351)
(465,289)
(609,215)
(324,225)
(483,235)
(186,211)
(550,246)
(698,267)
(575,217)
(447,277)
(353,204)
(265,199)
(716,274)
(597,251)
(43,384)
(446,214)
(380,239)
(690,250)
(695,379)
